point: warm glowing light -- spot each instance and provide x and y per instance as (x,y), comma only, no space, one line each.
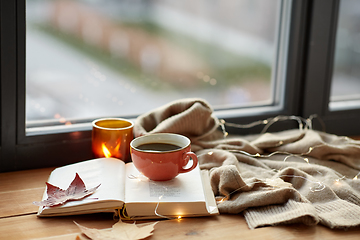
(337,182)
(117,147)
(106,151)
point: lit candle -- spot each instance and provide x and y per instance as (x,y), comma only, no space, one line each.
(111,137)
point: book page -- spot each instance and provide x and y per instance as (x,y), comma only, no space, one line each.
(109,172)
(186,187)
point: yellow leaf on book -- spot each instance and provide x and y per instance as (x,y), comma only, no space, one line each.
(119,231)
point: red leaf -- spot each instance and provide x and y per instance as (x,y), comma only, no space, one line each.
(58,196)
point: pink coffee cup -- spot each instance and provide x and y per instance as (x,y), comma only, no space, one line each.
(162,156)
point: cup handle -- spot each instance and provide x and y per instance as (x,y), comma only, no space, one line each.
(186,157)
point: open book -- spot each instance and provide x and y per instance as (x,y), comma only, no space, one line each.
(124,187)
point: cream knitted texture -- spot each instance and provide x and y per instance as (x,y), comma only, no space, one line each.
(307,179)
(181,117)
(290,212)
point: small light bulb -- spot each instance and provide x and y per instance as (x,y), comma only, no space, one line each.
(337,182)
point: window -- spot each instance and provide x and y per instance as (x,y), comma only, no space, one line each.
(323,67)
(90,59)
(297,71)
(345,86)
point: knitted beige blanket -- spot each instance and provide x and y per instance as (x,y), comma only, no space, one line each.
(294,176)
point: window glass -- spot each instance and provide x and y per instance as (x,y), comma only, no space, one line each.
(345,89)
(94,58)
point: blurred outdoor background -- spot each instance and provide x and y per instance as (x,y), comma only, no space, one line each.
(87,59)
(99,58)
(346,76)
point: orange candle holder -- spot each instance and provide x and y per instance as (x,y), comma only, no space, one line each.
(111,137)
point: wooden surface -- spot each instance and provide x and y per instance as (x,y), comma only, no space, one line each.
(18,219)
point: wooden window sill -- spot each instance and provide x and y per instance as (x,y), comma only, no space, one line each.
(18,219)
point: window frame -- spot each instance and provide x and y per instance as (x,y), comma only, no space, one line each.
(8,86)
(294,75)
(320,63)
(19,151)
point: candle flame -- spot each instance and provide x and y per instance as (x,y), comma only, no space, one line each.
(116,149)
(106,151)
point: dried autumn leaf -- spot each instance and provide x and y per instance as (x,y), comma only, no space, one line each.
(119,231)
(58,196)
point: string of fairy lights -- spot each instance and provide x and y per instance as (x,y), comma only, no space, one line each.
(277,182)
(141,177)
(303,125)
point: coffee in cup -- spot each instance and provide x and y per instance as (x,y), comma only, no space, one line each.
(162,156)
